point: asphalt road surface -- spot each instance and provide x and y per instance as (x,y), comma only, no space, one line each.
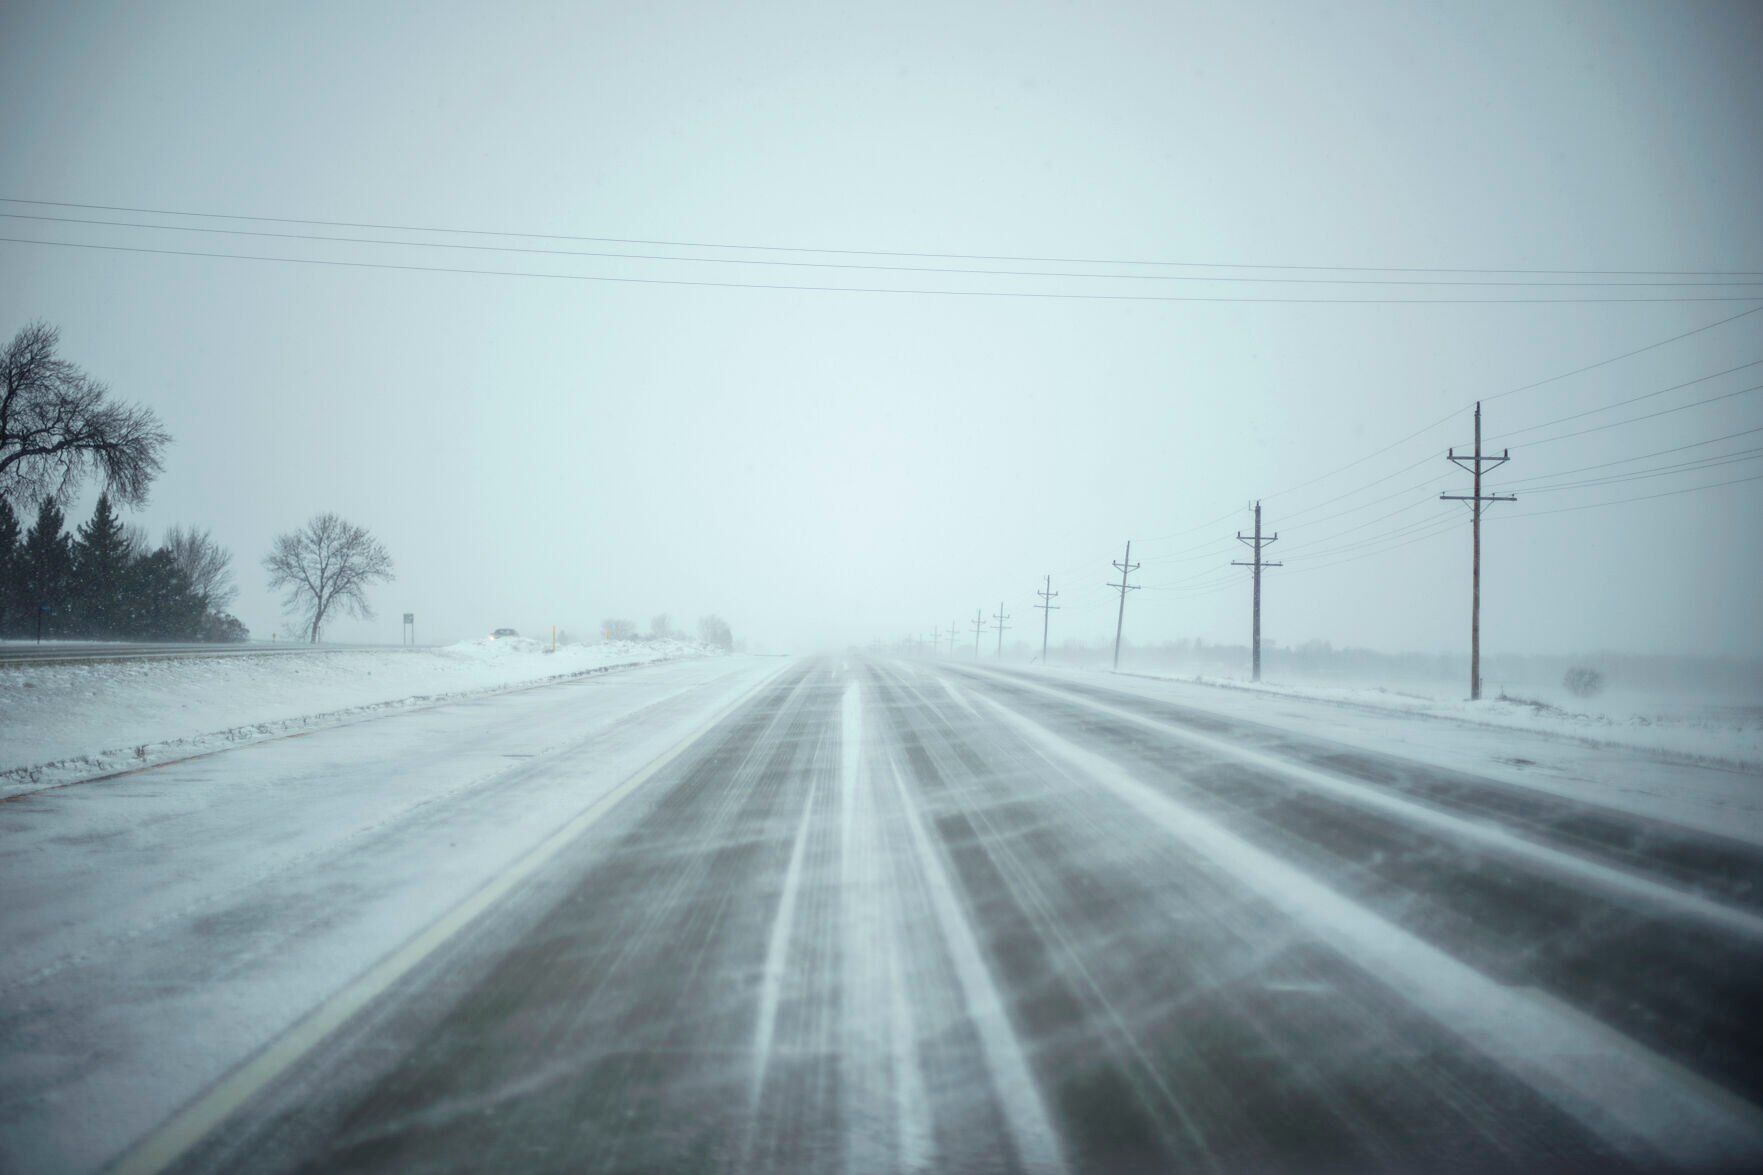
(885,915)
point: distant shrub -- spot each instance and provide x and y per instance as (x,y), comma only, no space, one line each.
(713,630)
(1582,681)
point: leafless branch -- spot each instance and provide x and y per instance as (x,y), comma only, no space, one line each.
(58,426)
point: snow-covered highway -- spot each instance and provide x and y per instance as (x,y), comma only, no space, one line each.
(870,915)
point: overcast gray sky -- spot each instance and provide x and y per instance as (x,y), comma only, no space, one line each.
(825,467)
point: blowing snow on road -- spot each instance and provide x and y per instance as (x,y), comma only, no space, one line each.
(852,588)
(867,914)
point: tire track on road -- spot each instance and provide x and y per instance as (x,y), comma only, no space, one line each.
(1638,1099)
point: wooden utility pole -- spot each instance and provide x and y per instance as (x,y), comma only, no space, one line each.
(1047,607)
(954,630)
(1126,567)
(1001,618)
(979,626)
(1256,543)
(1477,465)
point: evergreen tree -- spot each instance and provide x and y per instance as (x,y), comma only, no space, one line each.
(9,566)
(46,570)
(101,557)
(162,605)
(224,626)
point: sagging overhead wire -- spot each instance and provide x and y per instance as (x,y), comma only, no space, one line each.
(850,252)
(871,267)
(1039,295)
(1620,403)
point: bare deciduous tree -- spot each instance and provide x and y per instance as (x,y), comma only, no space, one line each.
(208,565)
(326,564)
(58,425)
(713,630)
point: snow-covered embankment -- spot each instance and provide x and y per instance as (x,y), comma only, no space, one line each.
(60,723)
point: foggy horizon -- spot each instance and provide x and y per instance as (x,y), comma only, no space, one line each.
(1136,587)
(825,469)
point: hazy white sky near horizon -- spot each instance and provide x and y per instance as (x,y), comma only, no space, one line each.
(823,468)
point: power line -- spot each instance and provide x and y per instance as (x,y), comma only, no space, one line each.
(1225,517)
(1581,370)
(1644,475)
(744,285)
(1625,355)
(1439,526)
(1624,403)
(1638,457)
(676,244)
(1185,594)
(872,267)
(1530,428)
(1361,489)
(1642,498)
(1442,420)
(1207,550)
(1648,416)
(1427,484)
(1373,539)
(1371,522)
(1448,526)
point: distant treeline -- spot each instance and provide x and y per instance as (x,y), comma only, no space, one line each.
(713,631)
(107,581)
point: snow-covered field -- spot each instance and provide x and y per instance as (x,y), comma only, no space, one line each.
(1717,728)
(65,722)
(1704,773)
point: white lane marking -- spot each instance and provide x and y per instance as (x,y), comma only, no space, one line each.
(1617,1087)
(1018,1097)
(912,1115)
(850,757)
(1484,835)
(863,1053)
(777,949)
(189,1126)
(880,1058)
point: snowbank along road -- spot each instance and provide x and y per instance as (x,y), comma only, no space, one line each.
(866,915)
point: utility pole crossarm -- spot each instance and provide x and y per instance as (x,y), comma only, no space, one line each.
(1001,617)
(1476,464)
(1047,607)
(1126,567)
(1255,543)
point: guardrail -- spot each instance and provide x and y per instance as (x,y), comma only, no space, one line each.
(20,656)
